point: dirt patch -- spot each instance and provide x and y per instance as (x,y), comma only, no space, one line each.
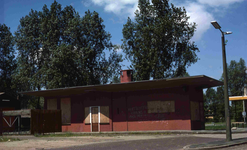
(33,143)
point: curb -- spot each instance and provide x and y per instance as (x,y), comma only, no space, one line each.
(140,132)
(155,132)
(216,145)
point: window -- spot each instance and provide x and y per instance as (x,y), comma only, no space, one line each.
(66,110)
(51,104)
(87,115)
(195,111)
(104,114)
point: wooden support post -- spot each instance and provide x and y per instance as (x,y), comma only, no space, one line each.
(1,122)
(19,124)
(244,112)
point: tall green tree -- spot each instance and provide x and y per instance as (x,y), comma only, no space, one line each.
(7,60)
(237,79)
(220,111)
(29,48)
(214,103)
(158,42)
(210,102)
(58,48)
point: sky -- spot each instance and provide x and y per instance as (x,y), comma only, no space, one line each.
(230,14)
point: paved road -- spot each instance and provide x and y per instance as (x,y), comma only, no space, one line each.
(237,147)
(174,143)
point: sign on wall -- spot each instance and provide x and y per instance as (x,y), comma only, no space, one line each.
(161,106)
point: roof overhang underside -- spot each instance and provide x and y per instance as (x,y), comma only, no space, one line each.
(237,98)
(192,81)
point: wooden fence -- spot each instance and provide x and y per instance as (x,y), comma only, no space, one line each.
(45,121)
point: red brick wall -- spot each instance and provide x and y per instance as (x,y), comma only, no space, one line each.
(78,103)
(119,111)
(140,119)
(129,110)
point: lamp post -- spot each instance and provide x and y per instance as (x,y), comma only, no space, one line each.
(227,110)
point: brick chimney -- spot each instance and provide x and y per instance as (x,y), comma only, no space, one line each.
(126,76)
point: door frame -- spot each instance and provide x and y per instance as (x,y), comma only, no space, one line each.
(91,124)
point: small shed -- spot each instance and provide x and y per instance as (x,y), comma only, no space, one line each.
(40,121)
(165,104)
(8,103)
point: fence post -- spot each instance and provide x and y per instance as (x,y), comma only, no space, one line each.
(1,122)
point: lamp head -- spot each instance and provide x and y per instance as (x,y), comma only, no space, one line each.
(215,24)
(228,32)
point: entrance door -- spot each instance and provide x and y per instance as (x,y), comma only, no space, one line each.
(95,119)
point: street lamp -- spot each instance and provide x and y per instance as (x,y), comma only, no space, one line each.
(227,110)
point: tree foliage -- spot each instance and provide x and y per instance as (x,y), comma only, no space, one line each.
(158,41)
(214,100)
(237,79)
(210,103)
(58,48)
(7,59)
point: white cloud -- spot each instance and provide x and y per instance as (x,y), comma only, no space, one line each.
(86,3)
(197,10)
(119,7)
(200,16)
(214,3)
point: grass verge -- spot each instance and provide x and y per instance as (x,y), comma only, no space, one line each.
(4,139)
(219,127)
(69,134)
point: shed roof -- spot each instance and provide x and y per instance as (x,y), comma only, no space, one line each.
(201,81)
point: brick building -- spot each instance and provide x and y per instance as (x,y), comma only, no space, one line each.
(165,104)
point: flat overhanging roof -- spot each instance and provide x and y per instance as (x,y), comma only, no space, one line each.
(237,98)
(201,81)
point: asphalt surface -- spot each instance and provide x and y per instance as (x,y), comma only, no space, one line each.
(174,140)
(237,147)
(175,143)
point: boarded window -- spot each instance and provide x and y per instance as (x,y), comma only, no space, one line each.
(161,106)
(95,115)
(66,110)
(104,114)
(195,110)
(87,115)
(52,104)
